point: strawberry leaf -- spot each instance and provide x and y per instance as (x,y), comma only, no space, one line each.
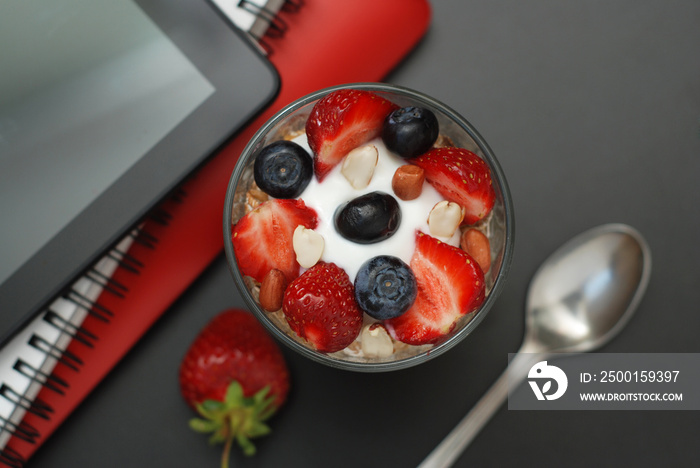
(219,436)
(202,426)
(234,395)
(209,409)
(237,418)
(246,445)
(261,396)
(259,429)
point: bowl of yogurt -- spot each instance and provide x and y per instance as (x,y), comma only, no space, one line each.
(368,226)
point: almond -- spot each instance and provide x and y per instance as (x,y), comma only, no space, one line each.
(376,341)
(272,290)
(308,246)
(407,182)
(445,218)
(358,166)
(476,244)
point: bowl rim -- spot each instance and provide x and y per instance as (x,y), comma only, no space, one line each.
(381,366)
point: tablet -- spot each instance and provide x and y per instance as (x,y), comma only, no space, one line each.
(105,107)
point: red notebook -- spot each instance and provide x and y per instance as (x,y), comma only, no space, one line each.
(324,43)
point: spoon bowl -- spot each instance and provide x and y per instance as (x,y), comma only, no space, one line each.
(587,290)
(578,300)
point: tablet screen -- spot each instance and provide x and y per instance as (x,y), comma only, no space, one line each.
(80,94)
(102,106)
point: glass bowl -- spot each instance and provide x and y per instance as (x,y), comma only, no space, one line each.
(499,226)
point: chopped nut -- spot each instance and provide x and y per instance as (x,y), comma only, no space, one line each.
(445,218)
(308,246)
(376,341)
(358,166)
(476,244)
(272,290)
(354,349)
(407,182)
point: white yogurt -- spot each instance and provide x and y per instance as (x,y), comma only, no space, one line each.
(335,190)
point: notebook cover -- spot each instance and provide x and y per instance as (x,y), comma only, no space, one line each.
(326,43)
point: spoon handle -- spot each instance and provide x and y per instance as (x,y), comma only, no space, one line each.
(445,454)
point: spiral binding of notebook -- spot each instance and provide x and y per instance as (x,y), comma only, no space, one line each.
(259,18)
(28,363)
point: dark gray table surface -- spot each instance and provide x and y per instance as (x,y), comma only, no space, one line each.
(593,109)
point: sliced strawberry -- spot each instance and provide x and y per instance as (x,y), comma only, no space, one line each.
(320,307)
(462,177)
(450,285)
(340,122)
(262,239)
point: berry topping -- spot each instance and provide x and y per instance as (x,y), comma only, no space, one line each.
(410,131)
(462,177)
(283,169)
(320,307)
(262,239)
(450,285)
(385,287)
(340,122)
(369,218)
(235,376)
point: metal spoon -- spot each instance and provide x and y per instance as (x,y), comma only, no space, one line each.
(579,299)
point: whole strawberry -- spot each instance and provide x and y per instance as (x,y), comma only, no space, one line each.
(234,375)
(320,307)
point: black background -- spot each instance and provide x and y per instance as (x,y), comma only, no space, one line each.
(593,109)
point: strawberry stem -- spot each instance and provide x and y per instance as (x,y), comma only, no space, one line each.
(227,451)
(237,418)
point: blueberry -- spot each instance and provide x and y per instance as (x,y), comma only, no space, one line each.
(283,169)
(385,287)
(410,131)
(369,218)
